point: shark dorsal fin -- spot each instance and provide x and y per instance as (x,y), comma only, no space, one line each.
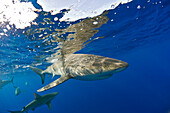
(37,96)
(49,105)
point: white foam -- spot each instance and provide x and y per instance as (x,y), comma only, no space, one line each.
(80,8)
(95,22)
(19,13)
(22,13)
(138,7)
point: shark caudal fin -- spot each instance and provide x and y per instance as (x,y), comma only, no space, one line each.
(39,72)
(12,80)
(15,111)
(54,83)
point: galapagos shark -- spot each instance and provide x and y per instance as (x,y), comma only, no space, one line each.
(5,82)
(18,90)
(81,67)
(39,101)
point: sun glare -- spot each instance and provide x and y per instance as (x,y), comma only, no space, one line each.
(18,13)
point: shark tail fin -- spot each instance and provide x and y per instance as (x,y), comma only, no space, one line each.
(60,80)
(15,111)
(12,80)
(39,72)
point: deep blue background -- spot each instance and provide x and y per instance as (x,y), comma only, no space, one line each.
(142,88)
(137,36)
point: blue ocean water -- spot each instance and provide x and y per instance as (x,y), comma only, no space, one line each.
(137,33)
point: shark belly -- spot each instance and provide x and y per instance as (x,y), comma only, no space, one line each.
(32,105)
(99,76)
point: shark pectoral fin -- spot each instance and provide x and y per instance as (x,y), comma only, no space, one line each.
(49,105)
(60,80)
(39,72)
(53,75)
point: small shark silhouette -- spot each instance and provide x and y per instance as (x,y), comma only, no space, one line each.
(5,82)
(26,83)
(39,101)
(18,90)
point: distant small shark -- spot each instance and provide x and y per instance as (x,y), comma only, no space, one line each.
(18,90)
(39,101)
(5,82)
(26,83)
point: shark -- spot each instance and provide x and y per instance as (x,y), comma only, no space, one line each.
(39,101)
(80,67)
(5,82)
(18,90)
(26,83)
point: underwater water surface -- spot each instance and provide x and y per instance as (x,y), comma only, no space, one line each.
(136,32)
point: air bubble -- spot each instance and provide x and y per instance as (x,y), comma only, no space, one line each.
(5,30)
(138,7)
(95,22)
(8,27)
(55,19)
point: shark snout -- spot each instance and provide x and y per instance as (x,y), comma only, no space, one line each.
(54,94)
(121,66)
(124,64)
